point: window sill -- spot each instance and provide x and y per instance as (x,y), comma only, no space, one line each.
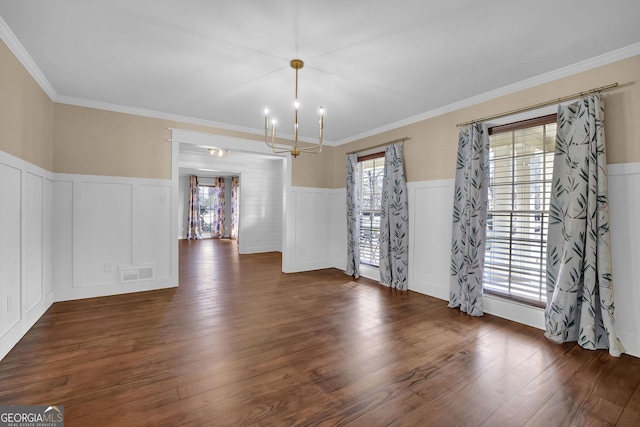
(514,311)
(370,272)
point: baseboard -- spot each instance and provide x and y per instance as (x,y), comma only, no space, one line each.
(70,294)
(15,334)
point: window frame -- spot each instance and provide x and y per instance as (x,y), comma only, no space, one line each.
(511,127)
(361,160)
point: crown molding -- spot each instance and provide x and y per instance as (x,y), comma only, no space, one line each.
(598,61)
(25,59)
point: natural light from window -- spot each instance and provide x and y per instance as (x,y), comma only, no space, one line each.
(371,173)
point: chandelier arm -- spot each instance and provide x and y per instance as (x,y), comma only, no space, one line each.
(314,149)
(294,149)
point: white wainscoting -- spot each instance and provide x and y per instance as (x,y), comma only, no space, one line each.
(430,213)
(65,237)
(26,289)
(311,236)
(624,211)
(114,223)
(338,228)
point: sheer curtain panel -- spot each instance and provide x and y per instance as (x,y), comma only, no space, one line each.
(469,219)
(580,300)
(394,221)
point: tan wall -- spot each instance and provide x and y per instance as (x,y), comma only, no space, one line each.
(97,142)
(431,152)
(26,113)
(314,170)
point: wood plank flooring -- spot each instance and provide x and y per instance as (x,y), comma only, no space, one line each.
(240,343)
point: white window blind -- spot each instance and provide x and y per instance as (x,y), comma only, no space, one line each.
(521,168)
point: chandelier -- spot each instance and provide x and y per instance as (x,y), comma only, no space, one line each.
(294,149)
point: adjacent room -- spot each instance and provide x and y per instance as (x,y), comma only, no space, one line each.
(372,213)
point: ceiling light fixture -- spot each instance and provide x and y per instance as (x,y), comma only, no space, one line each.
(218,152)
(294,149)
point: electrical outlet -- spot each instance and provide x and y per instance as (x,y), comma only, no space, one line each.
(163,199)
(108,267)
(427,268)
(8,303)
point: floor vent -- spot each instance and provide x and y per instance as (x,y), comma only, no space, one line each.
(135,273)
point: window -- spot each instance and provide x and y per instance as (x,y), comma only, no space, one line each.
(520,173)
(370,170)
(206,197)
(209,196)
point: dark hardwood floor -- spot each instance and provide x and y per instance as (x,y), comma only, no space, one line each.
(240,343)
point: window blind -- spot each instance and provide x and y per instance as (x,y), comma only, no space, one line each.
(521,168)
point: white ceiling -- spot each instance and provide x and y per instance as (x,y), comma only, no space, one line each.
(369,63)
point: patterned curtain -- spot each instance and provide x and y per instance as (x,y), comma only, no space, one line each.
(233,234)
(580,304)
(469,219)
(394,222)
(195,225)
(353,217)
(217,226)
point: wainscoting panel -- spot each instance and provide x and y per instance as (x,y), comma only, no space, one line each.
(308,237)
(430,213)
(311,226)
(47,236)
(33,242)
(10,244)
(152,234)
(63,234)
(624,211)
(106,233)
(338,228)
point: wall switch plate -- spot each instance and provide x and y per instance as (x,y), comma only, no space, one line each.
(427,268)
(163,199)
(108,267)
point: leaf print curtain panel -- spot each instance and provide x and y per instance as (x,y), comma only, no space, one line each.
(469,219)
(233,233)
(195,226)
(217,226)
(580,303)
(394,221)
(353,217)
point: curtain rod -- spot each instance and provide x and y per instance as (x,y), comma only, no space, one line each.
(380,145)
(541,104)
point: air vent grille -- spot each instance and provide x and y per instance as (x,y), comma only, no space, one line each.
(136,273)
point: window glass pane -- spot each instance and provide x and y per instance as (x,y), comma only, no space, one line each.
(371,174)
